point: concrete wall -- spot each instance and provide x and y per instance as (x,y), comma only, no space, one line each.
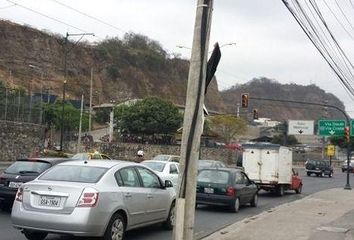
(19,140)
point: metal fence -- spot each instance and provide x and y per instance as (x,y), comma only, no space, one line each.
(19,105)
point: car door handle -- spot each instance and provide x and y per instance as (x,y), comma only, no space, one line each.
(149,196)
(127,195)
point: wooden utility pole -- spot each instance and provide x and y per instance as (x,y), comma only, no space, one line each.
(193,124)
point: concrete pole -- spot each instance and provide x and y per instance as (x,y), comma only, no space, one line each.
(193,124)
(78,148)
(111,117)
(90,111)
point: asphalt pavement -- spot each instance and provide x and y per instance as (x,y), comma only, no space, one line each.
(325,215)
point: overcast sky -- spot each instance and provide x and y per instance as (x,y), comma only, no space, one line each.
(268,40)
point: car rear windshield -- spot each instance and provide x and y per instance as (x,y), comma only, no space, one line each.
(27,167)
(156,166)
(214,176)
(67,173)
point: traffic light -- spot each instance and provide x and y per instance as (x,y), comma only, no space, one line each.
(255,114)
(244,100)
(347,134)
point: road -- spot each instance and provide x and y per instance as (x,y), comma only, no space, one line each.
(208,219)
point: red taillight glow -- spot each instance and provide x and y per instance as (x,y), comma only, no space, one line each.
(88,198)
(230,191)
(19,194)
(2,180)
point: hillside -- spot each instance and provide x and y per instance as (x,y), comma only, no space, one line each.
(267,88)
(128,68)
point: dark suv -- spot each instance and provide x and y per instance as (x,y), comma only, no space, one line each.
(21,171)
(318,167)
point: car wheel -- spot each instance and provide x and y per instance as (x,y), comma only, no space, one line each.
(280,190)
(116,228)
(254,201)
(330,174)
(299,189)
(170,221)
(236,207)
(322,174)
(34,235)
(308,174)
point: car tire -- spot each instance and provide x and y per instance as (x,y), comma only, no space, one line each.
(322,174)
(116,228)
(308,174)
(280,190)
(35,235)
(330,174)
(254,202)
(170,221)
(236,207)
(298,190)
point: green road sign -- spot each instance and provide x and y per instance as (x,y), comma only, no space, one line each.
(331,127)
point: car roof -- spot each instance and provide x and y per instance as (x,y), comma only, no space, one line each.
(100,163)
(223,169)
(44,159)
(159,161)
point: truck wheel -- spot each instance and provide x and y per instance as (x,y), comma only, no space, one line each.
(330,174)
(322,174)
(280,190)
(308,174)
(298,190)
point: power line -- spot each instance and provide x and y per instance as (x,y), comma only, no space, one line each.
(44,15)
(89,16)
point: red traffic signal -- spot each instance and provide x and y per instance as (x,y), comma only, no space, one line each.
(347,134)
(244,100)
(255,114)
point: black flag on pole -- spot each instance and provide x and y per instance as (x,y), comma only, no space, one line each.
(212,65)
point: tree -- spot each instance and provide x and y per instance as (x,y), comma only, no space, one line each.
(149,116)
(290,140)
(52,116)
(340,141)
(227,126)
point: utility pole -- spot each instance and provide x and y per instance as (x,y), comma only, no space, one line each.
(193,124)
(90,112)
(64,83)
(78,148)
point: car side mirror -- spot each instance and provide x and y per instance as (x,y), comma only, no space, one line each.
(168,184)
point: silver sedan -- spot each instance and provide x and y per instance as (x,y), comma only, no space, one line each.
(93,198)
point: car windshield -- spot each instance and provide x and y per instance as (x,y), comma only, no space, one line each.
(213,176)
(156,166)
(161,158)
(27,167)
(67,173)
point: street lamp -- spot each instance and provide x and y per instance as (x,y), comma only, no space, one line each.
(64,83)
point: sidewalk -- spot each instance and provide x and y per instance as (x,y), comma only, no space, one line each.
(326,215)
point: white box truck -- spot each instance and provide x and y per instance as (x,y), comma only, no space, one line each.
(270,167)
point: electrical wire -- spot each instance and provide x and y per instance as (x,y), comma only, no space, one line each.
(89,16)
(46,16)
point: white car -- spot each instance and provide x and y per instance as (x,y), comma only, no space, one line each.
(165,170)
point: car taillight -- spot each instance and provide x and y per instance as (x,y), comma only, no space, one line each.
(88,198)
(2,180)
(19,194)
(230,191)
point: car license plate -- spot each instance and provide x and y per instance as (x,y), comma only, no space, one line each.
(49,201)
(209,190)
(15,184)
